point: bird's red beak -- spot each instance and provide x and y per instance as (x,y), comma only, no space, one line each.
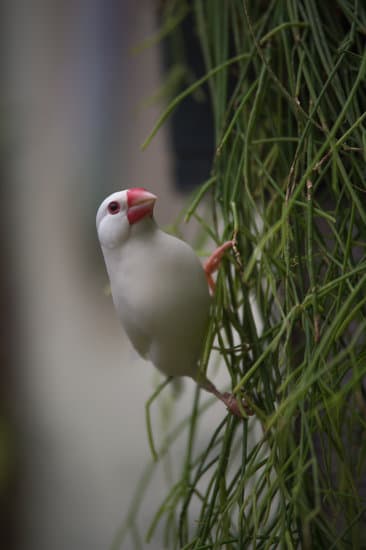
(140,203)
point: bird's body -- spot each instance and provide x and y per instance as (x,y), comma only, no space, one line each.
(160,292)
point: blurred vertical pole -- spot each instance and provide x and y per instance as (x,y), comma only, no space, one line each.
(8,463)
(8,469)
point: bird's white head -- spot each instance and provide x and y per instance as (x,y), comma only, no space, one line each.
(119,212)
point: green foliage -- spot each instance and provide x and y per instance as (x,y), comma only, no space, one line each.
(287,85)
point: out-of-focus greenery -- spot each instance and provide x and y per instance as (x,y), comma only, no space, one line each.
(287,83)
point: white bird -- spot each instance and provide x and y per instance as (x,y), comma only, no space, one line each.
(159,287)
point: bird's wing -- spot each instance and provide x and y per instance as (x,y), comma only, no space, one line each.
(164,303)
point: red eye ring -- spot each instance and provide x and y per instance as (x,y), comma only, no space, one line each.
(114,207)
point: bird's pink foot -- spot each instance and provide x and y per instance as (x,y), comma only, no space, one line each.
(233,406)
(213,263)
(228,399)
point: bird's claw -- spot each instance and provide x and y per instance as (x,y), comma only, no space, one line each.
(233,406)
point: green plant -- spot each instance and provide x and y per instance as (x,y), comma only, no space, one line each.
(287,86)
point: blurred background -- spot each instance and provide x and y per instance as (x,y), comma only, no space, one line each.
(76,106)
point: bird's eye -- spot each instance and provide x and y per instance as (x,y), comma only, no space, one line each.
(114,207)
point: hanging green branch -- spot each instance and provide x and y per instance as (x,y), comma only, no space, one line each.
(287,87)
